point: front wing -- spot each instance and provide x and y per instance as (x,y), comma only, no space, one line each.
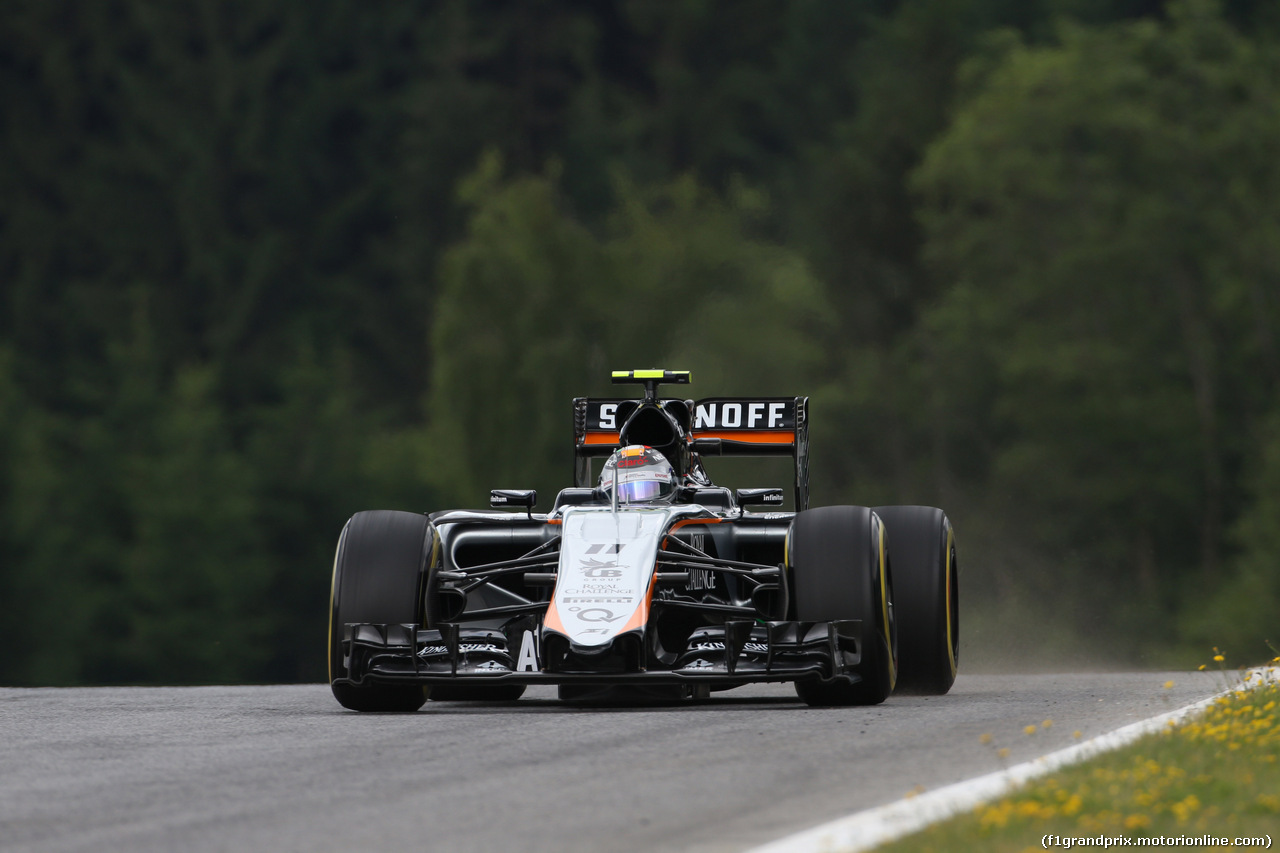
(740,652)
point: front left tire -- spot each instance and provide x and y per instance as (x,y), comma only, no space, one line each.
(377,576)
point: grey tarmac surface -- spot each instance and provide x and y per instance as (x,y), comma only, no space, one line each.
(286,769)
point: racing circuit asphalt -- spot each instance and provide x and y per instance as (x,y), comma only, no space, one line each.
(286,769)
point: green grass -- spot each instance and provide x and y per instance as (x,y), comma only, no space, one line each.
(1217,774)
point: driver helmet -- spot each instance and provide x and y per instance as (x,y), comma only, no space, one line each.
(642,474)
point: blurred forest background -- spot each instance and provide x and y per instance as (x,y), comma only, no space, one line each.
(266,264)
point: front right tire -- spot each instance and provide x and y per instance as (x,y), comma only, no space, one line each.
(839,568)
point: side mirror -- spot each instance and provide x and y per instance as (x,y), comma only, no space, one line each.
(707,446)
(526,498)
(759,497)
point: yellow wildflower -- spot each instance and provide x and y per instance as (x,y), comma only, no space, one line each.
(996,817)
(1187,807)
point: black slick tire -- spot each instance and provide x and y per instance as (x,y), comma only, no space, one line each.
(839,570)
(922,551)
(377,575)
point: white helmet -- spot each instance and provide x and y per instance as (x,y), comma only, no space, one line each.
(643,475)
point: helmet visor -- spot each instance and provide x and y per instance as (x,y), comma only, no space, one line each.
(641,490)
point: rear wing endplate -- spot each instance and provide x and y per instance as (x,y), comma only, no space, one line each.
(744,426)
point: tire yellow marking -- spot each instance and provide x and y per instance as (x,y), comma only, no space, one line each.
(333,584)
(884,609)
(951,648)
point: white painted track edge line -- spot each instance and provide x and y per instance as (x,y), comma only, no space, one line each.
(868,829)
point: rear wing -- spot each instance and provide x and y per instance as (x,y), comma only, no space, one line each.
(743,426)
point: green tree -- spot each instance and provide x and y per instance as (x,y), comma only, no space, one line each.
(192,603)
(1240,615)
(138,555)
(536,308)
(321,451)
(1100,208)
(195,200)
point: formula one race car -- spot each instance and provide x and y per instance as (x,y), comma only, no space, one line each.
(648,581)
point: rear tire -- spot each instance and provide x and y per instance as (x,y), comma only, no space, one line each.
(376,578)
(839,570)
(923,549)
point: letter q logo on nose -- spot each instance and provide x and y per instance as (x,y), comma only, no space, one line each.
(597,614)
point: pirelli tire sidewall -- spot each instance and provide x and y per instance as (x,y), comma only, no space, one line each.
(839,570)
(377,577)
(922,549)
